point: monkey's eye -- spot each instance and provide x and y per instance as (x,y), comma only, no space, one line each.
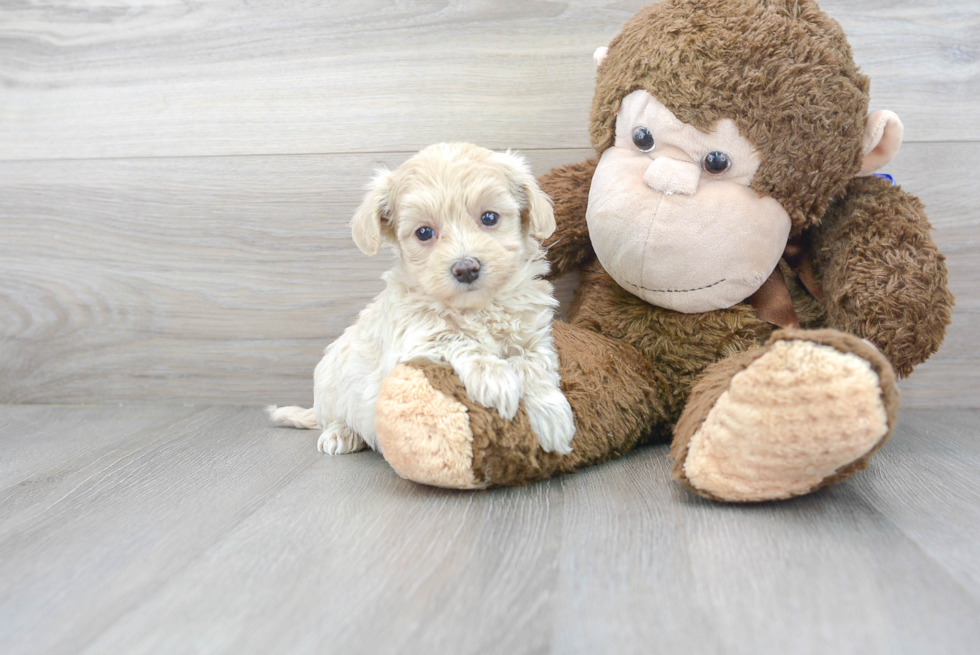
(716,163)
(424,233)
(490,218)
(643,140)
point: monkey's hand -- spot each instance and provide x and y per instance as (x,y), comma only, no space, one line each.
(883,278)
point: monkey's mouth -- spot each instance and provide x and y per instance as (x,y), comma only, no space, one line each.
(707,286)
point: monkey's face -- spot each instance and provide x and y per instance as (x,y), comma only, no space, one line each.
(671,214)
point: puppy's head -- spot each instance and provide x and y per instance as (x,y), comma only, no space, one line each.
(461,219)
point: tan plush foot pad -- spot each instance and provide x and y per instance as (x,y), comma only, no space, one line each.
(424,434)
(800,415)
(431,432)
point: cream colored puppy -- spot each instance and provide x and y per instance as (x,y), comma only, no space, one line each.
(465,224)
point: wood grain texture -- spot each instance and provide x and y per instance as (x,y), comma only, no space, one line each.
(928,487)
(191,280)
(204,530)
(106,528)
(221,279)
(227,77)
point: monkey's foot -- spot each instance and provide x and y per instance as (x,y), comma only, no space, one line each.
(432,432)
(806,411)
(424,433)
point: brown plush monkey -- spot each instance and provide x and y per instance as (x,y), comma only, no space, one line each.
(731,203)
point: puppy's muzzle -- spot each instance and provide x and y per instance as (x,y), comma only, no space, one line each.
(466,270)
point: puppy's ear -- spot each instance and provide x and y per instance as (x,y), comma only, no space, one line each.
(365,227)
(537,212)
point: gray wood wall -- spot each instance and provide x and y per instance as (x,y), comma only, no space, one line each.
(176,179)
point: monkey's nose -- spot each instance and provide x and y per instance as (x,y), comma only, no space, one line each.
(466,270)
(668,175)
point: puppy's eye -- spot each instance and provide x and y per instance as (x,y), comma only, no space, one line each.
(716,163)
(424,233)
(643,140)
(490,218)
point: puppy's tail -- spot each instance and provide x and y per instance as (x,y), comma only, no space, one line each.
(292,417)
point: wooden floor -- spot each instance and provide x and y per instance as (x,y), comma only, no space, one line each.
(201,530)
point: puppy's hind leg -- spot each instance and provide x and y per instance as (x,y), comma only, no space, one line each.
(292,417)
(338,439)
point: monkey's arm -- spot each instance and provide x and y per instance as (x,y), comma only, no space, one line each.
(569,247)
(882,276)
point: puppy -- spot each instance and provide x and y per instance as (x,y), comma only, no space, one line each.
(465,225)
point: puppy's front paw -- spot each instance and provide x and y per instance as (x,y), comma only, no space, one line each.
(492,383)
(551,419)
(338,439)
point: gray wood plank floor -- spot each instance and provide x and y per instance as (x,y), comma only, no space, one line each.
(201,529)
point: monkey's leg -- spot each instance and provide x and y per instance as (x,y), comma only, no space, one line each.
(806,411)
(431,432)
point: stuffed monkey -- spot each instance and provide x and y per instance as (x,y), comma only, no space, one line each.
(748,289)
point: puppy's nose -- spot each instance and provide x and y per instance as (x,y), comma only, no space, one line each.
(466,270)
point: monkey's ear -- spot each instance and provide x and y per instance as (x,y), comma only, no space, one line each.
(365,226)
(537,211)
(882,138)
(600,55)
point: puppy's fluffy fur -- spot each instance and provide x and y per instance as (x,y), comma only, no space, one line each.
(495,330)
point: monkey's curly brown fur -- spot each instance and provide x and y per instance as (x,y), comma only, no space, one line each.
(883,277)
